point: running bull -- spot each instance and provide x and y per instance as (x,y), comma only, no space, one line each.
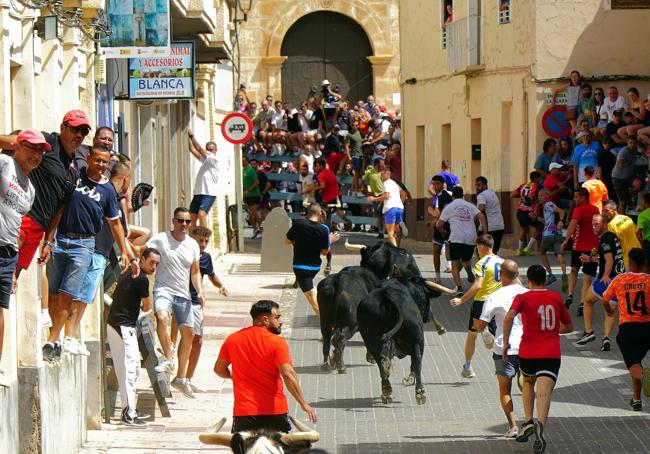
(391,322)
(262,441)
(338,297)
(386,261)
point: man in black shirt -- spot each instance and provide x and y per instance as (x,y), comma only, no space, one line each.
(310,240)
(441,198)
(610,264)
(130,294)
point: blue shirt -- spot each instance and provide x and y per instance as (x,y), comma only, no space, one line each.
(543,161)
(451,180)
(89,204)
(585,156)
(205,264)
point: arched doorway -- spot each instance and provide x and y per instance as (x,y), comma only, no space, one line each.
(326,45)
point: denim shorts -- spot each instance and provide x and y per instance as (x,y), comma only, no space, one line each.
(357,163)
(7,268)
(509,369)
(201,202)
(394,216)
(197,313)
(179,306)
(67,269)
(93,278)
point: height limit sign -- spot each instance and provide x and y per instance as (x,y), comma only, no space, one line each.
(237,128)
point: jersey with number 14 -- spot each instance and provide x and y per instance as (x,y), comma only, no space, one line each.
(489,268)
(631,291)
(541,311)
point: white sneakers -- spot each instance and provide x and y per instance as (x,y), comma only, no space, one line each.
(404,229)
(512,432)
(196,388)
(74,347)
(183,385)
(166,366)
(488,339)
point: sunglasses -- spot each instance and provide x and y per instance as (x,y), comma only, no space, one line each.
(183,221)
(84,130)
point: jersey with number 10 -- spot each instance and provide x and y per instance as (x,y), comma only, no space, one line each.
(489,268)
(541,311)
(631,291)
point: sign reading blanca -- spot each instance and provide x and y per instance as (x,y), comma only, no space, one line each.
(164,77)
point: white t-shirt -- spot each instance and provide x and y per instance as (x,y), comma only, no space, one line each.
(460,214)
(176,259)
(610,106)
(497,305)
(16,198)
(394,199)
(492,209)
(208,175)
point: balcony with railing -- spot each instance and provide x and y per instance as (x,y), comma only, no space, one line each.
(463,39)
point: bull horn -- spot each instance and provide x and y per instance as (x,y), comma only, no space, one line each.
(353,247)
(300,437)
(302,427)
(439,288)
(220,438)
(216,427)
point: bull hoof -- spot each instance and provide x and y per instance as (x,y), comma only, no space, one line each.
(388,400)
(442,330)
(421,397)
(409,380)
(370,359)
(325,366)
(342,370)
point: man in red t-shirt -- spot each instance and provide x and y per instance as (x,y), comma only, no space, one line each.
(544,317)
(260,360)
(555,183)
(585,241)
(328,188)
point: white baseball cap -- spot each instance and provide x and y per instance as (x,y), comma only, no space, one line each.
(325,82)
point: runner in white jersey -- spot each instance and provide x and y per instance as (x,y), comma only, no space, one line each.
(496,306)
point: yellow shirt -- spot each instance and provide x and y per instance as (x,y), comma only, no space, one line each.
(625,229)
(488,268)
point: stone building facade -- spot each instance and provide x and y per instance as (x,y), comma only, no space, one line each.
(267,32)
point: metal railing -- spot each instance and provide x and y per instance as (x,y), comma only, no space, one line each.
(463,43)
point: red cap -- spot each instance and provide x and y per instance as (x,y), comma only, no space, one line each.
(34,137)
(76,118)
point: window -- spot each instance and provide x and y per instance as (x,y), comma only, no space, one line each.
(447,17)
(628,4)
(504,11)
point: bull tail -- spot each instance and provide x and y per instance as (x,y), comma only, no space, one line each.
(388,337)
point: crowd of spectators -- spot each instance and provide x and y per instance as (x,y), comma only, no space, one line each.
(324,135)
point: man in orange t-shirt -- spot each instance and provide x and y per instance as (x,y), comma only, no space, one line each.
(631,291)
(260,361)
(597,190)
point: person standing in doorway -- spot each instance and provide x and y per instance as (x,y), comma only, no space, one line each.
(207,178)
(252,194)
(488,202)
(179,265)
(310,239)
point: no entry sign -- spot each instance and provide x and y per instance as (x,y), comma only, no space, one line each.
(237,128)
(554,123)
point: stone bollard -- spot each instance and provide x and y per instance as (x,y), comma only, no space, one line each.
(276,254)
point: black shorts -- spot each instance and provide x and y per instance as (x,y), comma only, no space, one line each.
(589,268)
(441,238)
(253,200)
(461,251)
(475,314)
(540,367)
(279,423)
(497,236)
(633,339)
(525,221)
(305,278)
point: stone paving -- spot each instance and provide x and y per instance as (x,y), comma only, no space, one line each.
(589,414)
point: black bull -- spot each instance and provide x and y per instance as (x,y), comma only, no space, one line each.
(386,261)
(338,297)
(391,322)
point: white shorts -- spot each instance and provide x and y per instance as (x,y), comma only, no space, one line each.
(198,319)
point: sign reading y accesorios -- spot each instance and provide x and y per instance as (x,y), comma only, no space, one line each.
(168,76)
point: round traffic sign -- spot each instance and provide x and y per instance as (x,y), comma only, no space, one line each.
(554,122)
(237,128)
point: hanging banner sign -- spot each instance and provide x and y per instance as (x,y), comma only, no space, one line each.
(139,28)
(169,76)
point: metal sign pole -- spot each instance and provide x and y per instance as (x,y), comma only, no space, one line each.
(239,198)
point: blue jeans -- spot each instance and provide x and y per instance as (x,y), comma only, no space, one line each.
(7,268)
(93,278)
(70,262)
